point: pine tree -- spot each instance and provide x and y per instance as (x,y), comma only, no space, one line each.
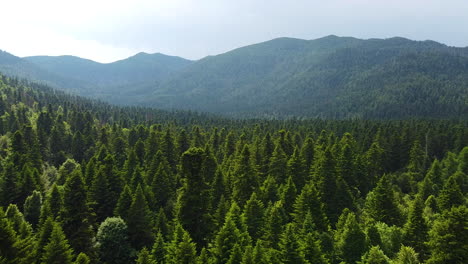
(100,196)
(43,238)
(311,249)
(124,203)
(451,194)
(416,229)
(225,241)
(289,246)
(288,195)
(277,165)
(57,250)
(144,257)
(139,221)
(463,161)
(158,251)
(406,255)
(32,208)
(75,216)
(448,236)
(308,201)
(247,257)
(186,251)
(375,256)
(236,255)
(82,259)
(381,205)
(252,216)
(275,218)
(8,249)
(245,179)
(295,169)
(352,243)
(193,200)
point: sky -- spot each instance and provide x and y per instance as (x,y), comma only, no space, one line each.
(110,30)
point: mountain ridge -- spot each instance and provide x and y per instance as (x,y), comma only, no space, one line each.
(329,77)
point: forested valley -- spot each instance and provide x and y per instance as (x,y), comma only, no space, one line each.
(82,181)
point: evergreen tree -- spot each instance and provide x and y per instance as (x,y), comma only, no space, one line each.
(451,194)
(32,208)
(295,169)
(57,250)
(288,195)
(247,257)
(100,196)
(8,249)
(144,257)
(448,236)
(375,256)
(406,255)
(124,203)
(275,218)
(416,229)
(308,201)
(158,251)
(139,221)
(236,255)
(252,217)
(245,179)
(225,241)
(352,243)
(193,200)
(289,246)
(76,216)
(82,259)
(312,250)
(381,204)
(277,165)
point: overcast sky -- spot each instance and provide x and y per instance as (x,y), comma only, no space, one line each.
(109,30)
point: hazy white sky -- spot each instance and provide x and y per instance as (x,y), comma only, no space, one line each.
(108,30)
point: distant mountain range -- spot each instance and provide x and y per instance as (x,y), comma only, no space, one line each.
(330,77)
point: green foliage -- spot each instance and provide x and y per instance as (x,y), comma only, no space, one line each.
(75,215)
(448,236)
(202,189)
(32,208)
(112,241)
(139,221)
(352,243)
(57,250)
(381,205)
(406,255)
(82,259)
(375,256)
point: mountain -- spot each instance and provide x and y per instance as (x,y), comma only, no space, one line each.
(113,81)
(330,77)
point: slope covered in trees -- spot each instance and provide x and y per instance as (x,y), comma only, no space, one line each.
(86,182)
(330,77)
(118,82)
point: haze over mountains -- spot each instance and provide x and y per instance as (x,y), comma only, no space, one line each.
(330,77)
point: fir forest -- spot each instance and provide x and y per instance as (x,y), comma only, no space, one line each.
(234,132)
(83,181)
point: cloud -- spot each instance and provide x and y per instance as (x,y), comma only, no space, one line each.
(108,30)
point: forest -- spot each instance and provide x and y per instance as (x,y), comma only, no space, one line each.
(83,181)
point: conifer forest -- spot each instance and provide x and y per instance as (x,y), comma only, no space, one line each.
(82,181)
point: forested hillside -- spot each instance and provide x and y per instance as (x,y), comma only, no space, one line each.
(331,77)
(87,182)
